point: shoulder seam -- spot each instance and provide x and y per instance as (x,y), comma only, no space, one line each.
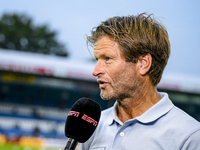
(198,129)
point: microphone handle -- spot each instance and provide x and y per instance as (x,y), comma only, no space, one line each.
(68,144)
(73,145)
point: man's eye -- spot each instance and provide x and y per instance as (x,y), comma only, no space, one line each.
(107,58)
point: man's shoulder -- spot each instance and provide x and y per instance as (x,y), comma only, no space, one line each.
(174,117)
(187,128)
(182,116)
(182,121)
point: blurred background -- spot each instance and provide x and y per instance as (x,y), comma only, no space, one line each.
(45,64)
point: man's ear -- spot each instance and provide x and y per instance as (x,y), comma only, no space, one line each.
(144,63)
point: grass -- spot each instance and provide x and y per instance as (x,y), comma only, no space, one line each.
(18,147)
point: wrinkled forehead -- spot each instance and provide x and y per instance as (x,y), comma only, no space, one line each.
(106,46)
(104,42)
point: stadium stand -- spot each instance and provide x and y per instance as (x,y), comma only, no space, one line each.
(37,92)
(19,120)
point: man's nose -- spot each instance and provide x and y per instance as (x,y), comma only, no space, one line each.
(98,69)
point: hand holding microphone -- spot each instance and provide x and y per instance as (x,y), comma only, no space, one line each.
(81,122)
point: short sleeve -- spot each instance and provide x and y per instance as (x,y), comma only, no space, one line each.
(193,142)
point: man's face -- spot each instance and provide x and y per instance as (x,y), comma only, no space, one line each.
(117,78)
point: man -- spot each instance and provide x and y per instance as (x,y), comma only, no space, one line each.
(131,54)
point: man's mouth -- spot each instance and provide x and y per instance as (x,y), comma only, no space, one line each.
(102,83)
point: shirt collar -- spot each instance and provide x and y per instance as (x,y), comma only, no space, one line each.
(152,114)
(158,110)
(113,117)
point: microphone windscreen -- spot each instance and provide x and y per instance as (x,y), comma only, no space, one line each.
(82,120)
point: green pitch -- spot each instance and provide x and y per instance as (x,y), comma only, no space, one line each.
(17,147)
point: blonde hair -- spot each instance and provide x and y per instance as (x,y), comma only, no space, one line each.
(137,35)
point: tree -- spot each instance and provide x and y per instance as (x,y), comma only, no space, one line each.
(18,32)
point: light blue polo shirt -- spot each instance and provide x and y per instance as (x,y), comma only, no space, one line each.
(162,127)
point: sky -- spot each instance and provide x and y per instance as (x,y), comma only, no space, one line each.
(73,19)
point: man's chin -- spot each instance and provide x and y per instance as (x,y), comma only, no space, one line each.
(105,96)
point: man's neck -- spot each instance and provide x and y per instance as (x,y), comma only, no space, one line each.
(130,108)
